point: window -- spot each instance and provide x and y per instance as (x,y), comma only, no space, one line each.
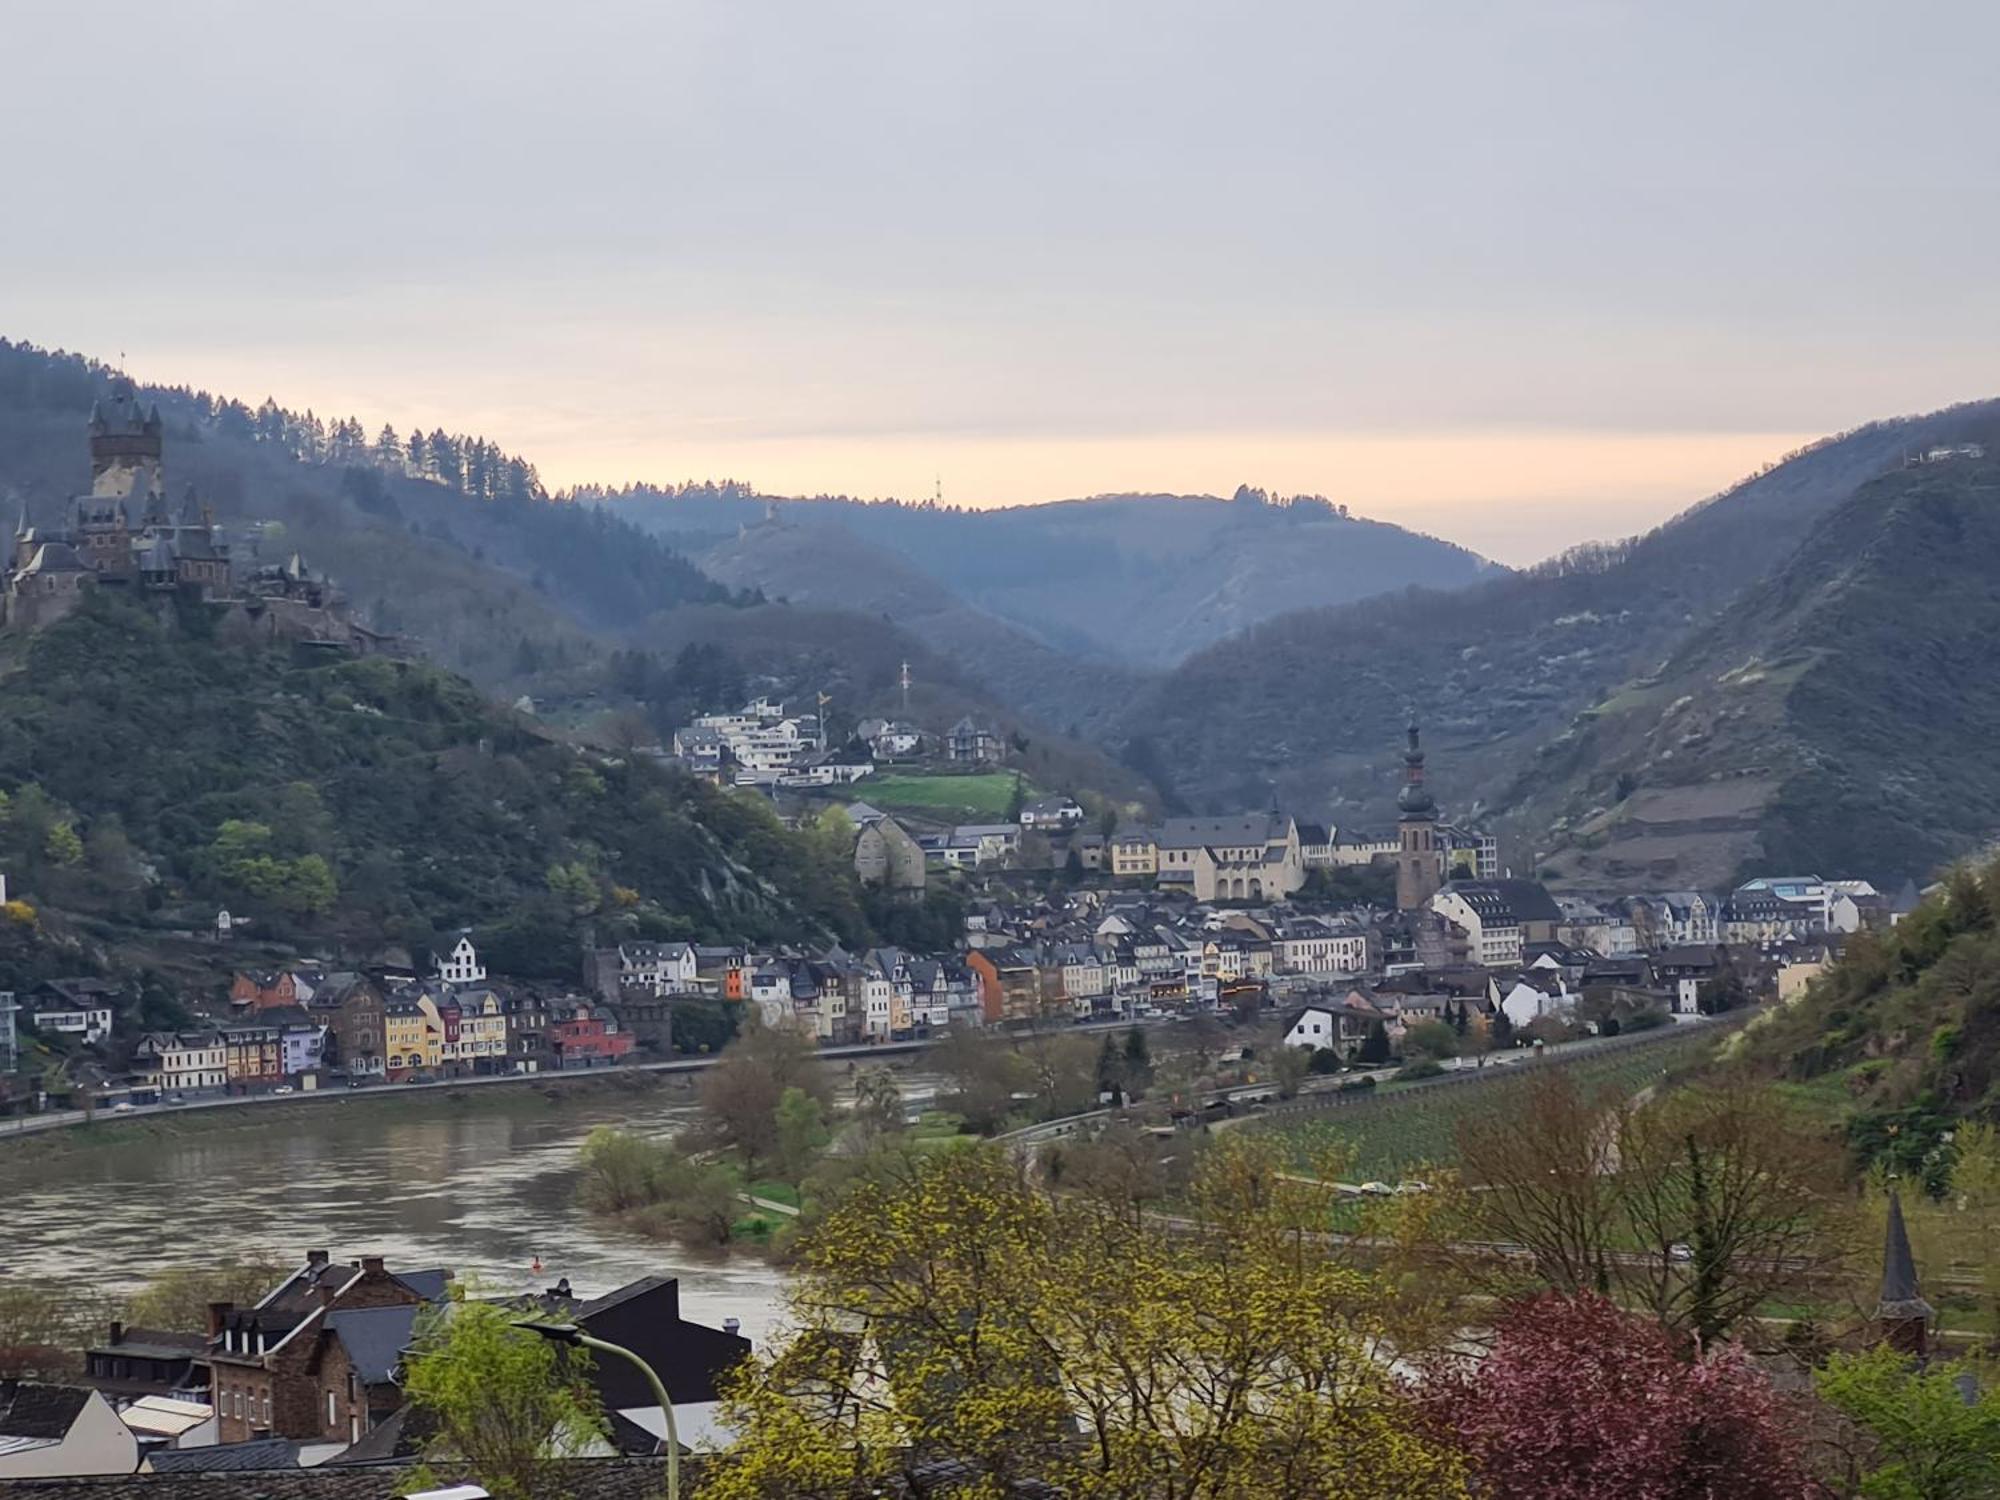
(332,1417)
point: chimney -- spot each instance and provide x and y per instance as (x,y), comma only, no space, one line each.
(218,1314)
(316,1257)
(371,1265)
(117,1332)
(731,1325)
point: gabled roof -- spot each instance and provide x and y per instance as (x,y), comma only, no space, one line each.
(43,1413)
(374,1337)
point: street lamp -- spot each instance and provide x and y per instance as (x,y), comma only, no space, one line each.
(576,1338)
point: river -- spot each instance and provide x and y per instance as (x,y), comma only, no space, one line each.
(484,1185)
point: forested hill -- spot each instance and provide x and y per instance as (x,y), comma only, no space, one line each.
(153,774)
(1140,580)
(441,536)
(1839,717)
(1312,702)
(604,626)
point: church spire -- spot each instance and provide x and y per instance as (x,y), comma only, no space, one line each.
(1902,1312)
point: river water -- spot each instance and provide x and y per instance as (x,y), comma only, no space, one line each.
(484,1185)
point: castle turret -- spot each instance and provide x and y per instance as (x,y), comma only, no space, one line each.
(125,448)
(1418,864)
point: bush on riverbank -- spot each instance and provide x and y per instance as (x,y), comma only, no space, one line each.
(655,1188)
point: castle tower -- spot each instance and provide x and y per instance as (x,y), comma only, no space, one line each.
(1901,1313)
(125,449)
(1417,863)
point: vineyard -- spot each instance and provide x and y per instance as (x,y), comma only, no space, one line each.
(1395,1136)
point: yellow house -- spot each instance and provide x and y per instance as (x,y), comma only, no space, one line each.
(1134,855)
(413,1038)
(482,1031)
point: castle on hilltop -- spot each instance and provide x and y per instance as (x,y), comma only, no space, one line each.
(125,535)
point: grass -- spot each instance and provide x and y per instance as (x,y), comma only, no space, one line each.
(988,794)
(1409,1130)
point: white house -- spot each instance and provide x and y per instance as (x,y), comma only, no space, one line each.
(1492,929)
(55,1431)
(461,965)
(74,1007)
(1524,1004)
(1316,1028)
(184,1063)
(1052,812)
(663,968)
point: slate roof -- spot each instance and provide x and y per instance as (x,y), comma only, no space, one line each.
(579,1479)
(228,1458)
(29,1409)
(374,1337)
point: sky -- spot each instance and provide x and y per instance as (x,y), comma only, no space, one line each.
(1516,272)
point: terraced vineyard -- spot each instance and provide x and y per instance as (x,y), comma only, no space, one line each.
(1396,1135)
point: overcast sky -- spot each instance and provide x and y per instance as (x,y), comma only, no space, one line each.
(1517,273)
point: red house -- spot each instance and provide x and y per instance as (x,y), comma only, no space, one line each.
(581,1038)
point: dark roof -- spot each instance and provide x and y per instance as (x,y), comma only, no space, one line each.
(430,1284)
(1900,1297)
(579,1479)
(233,1458)
(31,1410)
(374,1337)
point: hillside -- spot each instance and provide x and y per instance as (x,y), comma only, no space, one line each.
(153,774)
(828,567)
(455,544)
(1838,717)
(1311,702)
(1137,579)
(1901,1037)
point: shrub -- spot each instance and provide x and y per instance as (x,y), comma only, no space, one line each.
(1423,1068)
(1357,1085)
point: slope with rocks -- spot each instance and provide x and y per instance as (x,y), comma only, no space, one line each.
(1311,703)
(1837,717)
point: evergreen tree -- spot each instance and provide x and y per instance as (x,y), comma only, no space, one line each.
(1375,1046)
(1461,1020)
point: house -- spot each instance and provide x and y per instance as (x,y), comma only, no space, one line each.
(1315,846)
(413,1037)
(1134,855)
(661,968)
(1674,919)
(135,1362)
(1339,1025)
(461,965)
(254,1054)
(479,1044)
(1052,813)
(297,1365)
(1314,947)
(1467,853)
(61,1430)
(889,738)
(992,842)
(1531,997)
(586,1036)
(351,1009)
(74,1007)
(185,1062)
(886,855)
(969,743)
(1499,916)
(1010,985)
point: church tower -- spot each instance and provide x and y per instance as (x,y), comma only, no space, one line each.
(1418,863)
(125,449)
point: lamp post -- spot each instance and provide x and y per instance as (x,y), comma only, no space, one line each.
(576,1338)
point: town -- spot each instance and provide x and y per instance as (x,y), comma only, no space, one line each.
(1235,915)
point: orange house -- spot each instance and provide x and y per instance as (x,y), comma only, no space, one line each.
(263,991)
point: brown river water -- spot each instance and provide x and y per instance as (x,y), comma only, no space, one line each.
(484,1185)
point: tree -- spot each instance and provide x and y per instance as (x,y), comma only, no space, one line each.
(741,1093)
(1374,1050)
(1138,1058)
(1578,1401)
(62,845)
(800,1131)
(177,1299)
(1930,1442)
(501,1403)
(1697,1207)
(1431,1039)
(1289,1067)
(947,1308)
(878,1103)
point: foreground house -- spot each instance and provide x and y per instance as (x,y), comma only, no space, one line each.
(61,1429)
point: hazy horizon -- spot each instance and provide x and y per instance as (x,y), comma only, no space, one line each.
(1519,277)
